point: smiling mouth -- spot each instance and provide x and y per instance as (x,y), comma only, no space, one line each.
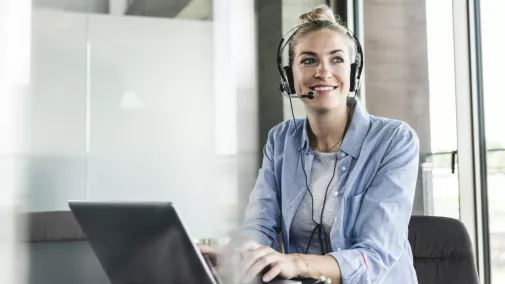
(323,88)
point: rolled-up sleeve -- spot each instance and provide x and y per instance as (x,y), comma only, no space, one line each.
(262,215)
(381,228)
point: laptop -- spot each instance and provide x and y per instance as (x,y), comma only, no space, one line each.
(144,242)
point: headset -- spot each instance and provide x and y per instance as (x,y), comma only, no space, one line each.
(287,89)
(286,85)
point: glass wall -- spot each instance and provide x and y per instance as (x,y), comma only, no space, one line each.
(150,116)
(14,101)
(58,104)
(439,168)
(138,101)
(493,60)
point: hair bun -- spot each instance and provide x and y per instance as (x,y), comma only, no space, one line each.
(318,13)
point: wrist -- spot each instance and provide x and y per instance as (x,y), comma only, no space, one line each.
(302,267)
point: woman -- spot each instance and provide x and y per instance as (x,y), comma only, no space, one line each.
(339,185)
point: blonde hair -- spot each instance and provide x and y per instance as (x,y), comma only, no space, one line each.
(320,17)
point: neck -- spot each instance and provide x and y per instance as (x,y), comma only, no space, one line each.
(327,129)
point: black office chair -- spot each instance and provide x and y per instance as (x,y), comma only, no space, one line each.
(442,251)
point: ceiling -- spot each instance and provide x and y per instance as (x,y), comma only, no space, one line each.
(182,9)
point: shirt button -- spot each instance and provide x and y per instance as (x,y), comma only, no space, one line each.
(344,169)
(342,154)
(336,193)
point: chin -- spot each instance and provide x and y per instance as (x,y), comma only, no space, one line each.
(326,105)
(323,107)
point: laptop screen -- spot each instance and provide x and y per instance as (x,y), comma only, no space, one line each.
(141,243)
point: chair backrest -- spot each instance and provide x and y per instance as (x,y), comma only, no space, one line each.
(442,251)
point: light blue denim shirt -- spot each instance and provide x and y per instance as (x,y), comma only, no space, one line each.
(377,170)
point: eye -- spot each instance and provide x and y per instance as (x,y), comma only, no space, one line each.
(307,61)
(338,59)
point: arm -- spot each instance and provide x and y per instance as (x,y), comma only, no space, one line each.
(262,215)
(381,226)
(315,266)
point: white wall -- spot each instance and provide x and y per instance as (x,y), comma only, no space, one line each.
(149,111)
(164,149)
(58,108)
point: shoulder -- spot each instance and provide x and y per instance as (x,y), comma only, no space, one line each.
(285,129)
(283,136)
(396,143)
(391,131)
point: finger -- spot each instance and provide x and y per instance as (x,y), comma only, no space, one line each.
(250,257)
(246,244)
(206,249)
(232,256)
(230,262)
(273,272)
(260,264)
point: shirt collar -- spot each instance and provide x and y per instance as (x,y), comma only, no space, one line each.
(355,136)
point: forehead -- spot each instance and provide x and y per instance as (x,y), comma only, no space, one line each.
(323,41)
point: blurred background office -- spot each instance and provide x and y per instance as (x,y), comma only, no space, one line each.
(172,100)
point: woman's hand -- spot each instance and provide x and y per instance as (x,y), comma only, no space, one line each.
(235,246)
(243,259)
(274,263)
(228,258)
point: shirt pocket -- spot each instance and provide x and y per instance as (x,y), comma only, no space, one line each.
(352,208)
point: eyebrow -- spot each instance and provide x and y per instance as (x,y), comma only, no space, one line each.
(314,54)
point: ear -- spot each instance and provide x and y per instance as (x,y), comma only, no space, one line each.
(289,75)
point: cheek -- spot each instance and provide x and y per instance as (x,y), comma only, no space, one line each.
(299,77)
(343,74)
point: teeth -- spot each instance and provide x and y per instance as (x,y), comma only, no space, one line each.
(323,88)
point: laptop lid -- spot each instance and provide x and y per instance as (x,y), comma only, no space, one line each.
(141,242)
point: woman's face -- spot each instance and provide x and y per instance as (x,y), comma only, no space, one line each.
(322,64)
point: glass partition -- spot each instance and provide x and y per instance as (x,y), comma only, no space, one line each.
(139,101)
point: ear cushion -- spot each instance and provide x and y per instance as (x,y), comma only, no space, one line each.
(289,76)
(351,101)
(352,81)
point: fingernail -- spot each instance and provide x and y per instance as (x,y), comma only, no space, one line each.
(266,278)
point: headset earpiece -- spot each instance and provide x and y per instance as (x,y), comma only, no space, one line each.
(353,79)
(351,101)
(284,84)
(288,72)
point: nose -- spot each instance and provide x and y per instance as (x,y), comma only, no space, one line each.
(323,71)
